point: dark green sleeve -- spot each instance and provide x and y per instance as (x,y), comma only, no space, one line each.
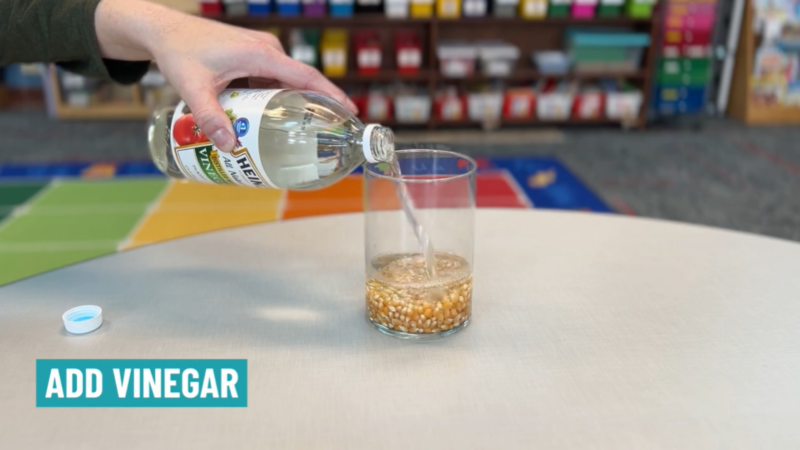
(59,31)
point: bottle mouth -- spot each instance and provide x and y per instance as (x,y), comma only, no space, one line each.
(379,144)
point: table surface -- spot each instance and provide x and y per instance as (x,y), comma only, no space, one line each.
(589,331)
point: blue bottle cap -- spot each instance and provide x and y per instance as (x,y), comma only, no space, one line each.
(83,319)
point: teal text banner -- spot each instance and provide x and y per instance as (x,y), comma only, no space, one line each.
(141,383)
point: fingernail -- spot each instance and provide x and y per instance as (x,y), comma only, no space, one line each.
(223,140)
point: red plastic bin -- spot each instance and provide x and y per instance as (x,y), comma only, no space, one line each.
(368,52)
(408,51)
(450,107)
(519,104)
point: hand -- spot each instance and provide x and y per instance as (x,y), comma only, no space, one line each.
(201,57)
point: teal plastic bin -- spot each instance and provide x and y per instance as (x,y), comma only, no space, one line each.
(606,51)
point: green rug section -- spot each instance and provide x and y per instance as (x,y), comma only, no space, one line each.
(26,264)
(72,221)
(15,195)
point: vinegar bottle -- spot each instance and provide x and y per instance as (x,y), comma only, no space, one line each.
(286,139)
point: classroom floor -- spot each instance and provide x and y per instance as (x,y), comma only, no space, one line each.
(74,191)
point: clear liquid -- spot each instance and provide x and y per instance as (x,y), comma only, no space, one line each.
(424,240)
(306,141)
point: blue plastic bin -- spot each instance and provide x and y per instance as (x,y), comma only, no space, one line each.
(259,8)
(288,8)
(676,100)
(341,8)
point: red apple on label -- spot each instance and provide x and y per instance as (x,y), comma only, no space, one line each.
(186,132)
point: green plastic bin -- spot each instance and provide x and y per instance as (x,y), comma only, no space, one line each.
(557,10)
(609,10)
(684,72)
(638,9)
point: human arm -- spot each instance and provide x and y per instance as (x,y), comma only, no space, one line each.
(199,57)
(61,32)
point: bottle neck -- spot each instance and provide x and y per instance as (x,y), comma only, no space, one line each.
(377,144)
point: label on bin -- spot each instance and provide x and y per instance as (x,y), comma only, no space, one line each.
(409,57)
(333,58)
(369,58)
(535,8)
(199,160)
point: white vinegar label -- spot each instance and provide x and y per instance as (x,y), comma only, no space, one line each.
(200,160)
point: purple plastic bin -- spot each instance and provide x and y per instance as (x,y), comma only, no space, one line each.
(314,8)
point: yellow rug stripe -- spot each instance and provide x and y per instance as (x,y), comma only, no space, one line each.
(193,208)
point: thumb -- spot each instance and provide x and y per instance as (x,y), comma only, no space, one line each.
(212,120)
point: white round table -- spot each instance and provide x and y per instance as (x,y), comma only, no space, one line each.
(589,331)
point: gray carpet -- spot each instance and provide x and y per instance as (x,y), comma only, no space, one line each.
(722,175)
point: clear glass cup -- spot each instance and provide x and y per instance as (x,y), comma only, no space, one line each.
(404,298)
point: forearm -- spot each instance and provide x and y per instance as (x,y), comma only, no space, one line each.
(65,32)
(46,30)
(129,30)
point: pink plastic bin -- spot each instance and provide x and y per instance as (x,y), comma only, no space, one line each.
(583,11)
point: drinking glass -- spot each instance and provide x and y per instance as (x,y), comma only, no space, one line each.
(406,296)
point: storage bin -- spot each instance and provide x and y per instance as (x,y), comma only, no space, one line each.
(533,9)
(505,8)
(474,8)
(288,8)
(684,72)
(559,8)
(588,103)
(369,6)
(235,8)
(448,9)
(610,8)
(687,37)
(359,98)
(341,8)
(314,8)
(623,102)
(498,58)
(485,106)
(412,108)
(605,51)
(304,46)
(408,51)
(450,106)
(554,100)
(685,50)
(259,7)
(333,47)
(552,62)
(378,107)
(582,11)
(674,100)
(368,52)
(421,9)
(519,103)
(396,9)
(639,9)
(696,23)
(457,59)
(211,8)
(688,10)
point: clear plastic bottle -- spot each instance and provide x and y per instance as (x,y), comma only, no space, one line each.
(287,139)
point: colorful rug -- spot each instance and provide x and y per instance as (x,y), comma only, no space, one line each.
(52,216)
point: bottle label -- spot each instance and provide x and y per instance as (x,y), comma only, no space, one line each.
(200,160)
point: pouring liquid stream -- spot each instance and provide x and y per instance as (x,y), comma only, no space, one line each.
(426,246)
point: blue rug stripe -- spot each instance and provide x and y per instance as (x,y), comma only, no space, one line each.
(563,191)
